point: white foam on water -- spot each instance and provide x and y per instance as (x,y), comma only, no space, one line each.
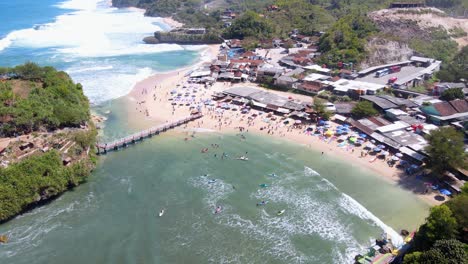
(215,192)
(73,70)
(351,206)
(94,31)
(110,85)
(310,172)
(30,232)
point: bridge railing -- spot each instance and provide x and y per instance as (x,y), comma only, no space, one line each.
(144,133)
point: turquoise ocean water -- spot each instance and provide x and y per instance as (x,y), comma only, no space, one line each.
(332,209)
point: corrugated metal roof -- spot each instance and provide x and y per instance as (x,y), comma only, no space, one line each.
(460,105)
(445,109)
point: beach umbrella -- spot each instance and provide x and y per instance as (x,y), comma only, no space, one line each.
(321,123)
(395,158)
(173,91)
(399,155)
(381,146)
(377,150)
(298,121)
(329,133)
(352,139)
(362,135)
(445,192)
(372,141)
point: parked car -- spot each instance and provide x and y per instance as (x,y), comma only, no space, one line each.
(330,107)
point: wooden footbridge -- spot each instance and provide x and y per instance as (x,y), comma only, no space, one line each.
(103,148)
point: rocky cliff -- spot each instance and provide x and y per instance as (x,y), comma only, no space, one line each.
(383,51)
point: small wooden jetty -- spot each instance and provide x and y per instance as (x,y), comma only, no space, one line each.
(103,148)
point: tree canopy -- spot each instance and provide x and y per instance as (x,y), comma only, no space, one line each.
(449,251)
(445,149)
(440,224)
(455,69)
(319,107)
(248,25)
(452,94)
(345,40)
(364,109)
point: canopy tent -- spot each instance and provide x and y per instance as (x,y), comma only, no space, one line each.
(445,192)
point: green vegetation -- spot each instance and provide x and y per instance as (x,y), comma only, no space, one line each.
(443,237)
(320,109)
(364,109)
(37,179)
(452,94)
(418,89)
(47,99)
(455,69)
(187,39)
(299,14)
(346,39)
(443,252)
(250,24)
(457,32)
(441,46)
(445,149)
(440,224)
(39,98)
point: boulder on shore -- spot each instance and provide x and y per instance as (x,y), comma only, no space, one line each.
(151,40)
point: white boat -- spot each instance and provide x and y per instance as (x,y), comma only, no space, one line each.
(243,158)
(161,213)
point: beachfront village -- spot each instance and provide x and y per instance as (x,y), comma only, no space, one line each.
(383,118)
(275,88)
(379,117)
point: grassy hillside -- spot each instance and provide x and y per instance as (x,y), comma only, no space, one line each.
(40,99)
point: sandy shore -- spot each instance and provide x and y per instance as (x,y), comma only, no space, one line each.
(172,22)
(151,98)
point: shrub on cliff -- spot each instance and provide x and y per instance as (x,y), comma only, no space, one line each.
(36,179)
(46,99)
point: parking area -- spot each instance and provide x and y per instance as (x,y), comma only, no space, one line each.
(405,71)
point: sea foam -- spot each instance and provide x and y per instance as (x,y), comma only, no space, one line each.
(96,44)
